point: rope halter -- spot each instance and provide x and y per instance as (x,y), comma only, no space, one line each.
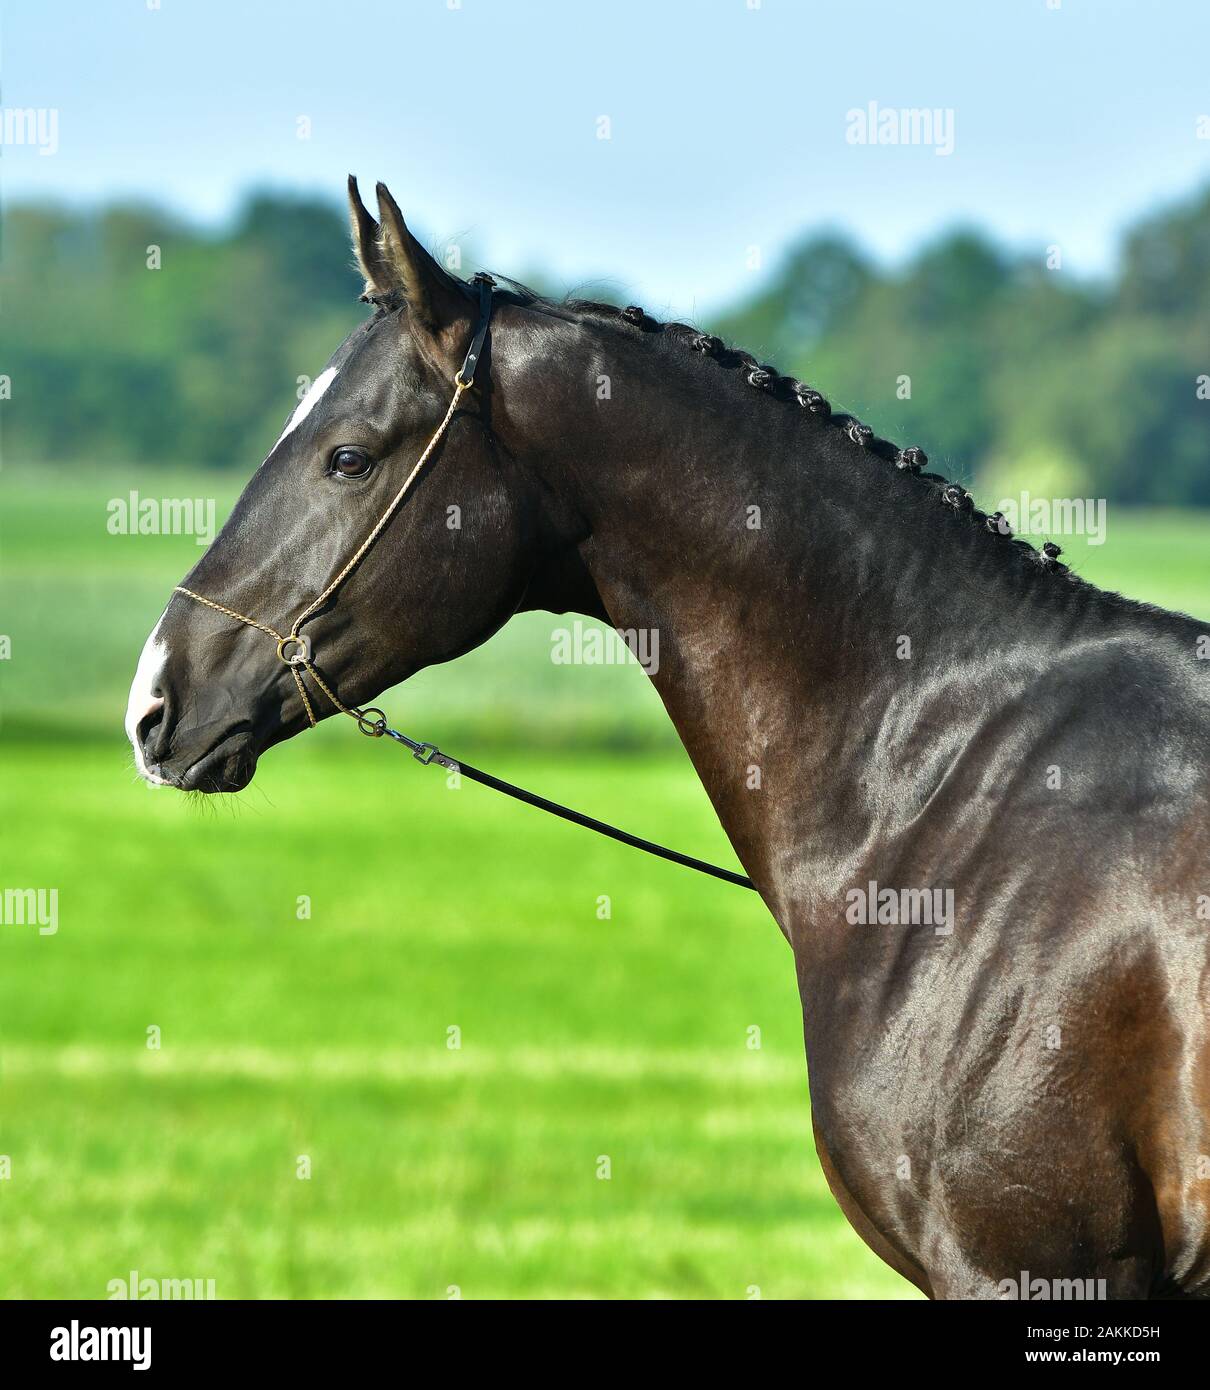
(294,647)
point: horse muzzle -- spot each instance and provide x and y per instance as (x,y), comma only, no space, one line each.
(168,755)
(227,766)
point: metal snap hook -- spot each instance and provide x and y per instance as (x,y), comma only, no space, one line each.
(301,657)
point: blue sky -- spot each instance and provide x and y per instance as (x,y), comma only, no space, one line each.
(728,123)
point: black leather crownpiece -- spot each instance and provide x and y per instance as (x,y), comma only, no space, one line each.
(466,373)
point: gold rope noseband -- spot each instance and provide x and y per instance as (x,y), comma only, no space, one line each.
(293,648)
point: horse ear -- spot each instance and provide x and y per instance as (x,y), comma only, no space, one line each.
(367,245)
(434,298)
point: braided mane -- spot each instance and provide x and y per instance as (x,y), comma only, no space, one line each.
(762,377)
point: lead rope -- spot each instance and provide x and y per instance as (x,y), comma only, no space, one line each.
(294,648)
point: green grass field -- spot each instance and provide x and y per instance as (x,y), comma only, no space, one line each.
(325,1039)
(431,908)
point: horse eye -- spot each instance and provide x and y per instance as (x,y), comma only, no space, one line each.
(348,462)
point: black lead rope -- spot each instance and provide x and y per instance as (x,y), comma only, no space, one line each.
(429,753)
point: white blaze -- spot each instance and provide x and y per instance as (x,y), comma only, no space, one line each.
(308,402)
(142,702)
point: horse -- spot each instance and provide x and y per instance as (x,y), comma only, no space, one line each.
(891,701)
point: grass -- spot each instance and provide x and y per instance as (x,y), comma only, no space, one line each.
(1160,556)
(325,1038)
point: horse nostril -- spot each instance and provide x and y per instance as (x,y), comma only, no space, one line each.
(149,724)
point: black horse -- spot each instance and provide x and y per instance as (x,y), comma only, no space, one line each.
(892,703)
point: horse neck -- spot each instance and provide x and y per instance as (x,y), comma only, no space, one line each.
(806,598)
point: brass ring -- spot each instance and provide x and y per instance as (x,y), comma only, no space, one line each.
(372,728)
(304,649)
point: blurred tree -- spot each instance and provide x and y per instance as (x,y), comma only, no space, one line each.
(1166,262)
(821,280)
(986,360)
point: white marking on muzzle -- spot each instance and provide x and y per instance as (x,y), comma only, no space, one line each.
(142,702)
(308,402)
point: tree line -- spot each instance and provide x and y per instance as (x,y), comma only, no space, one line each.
(131,336)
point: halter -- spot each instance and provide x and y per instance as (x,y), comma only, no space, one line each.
(294,647)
